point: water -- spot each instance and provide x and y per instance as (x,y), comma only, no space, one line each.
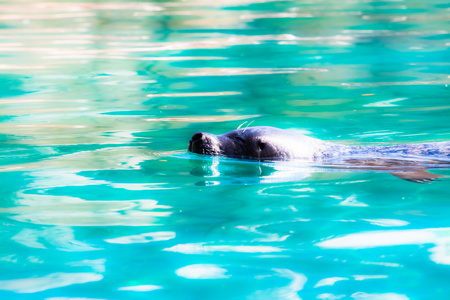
(99,199)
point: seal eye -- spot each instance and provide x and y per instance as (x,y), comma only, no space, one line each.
(261,145)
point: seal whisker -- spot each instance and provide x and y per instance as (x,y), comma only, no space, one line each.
(239,127)
(248,125)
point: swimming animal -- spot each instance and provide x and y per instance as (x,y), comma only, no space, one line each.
(264,143)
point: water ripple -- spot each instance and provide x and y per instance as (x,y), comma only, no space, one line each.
(50,281)
(98,101)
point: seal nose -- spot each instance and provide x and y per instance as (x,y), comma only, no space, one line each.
(196,141)
(197,136)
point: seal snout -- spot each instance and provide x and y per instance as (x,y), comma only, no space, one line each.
(203,143)
(197,136)
(195,140)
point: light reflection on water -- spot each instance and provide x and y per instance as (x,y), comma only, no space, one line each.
(98,101)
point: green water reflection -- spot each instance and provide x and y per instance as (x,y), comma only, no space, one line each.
(99,199)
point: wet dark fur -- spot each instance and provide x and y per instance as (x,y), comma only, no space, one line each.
(269,143)
(263,143)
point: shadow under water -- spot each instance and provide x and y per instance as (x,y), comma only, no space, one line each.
(221,170)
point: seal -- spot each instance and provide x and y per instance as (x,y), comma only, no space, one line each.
(264,143)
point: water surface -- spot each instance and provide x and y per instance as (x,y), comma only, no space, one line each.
(99,199)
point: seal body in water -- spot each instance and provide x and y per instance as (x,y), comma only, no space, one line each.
(407,161)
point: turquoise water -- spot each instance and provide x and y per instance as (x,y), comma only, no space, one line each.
(100,200)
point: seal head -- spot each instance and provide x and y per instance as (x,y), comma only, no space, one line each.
(259,142)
